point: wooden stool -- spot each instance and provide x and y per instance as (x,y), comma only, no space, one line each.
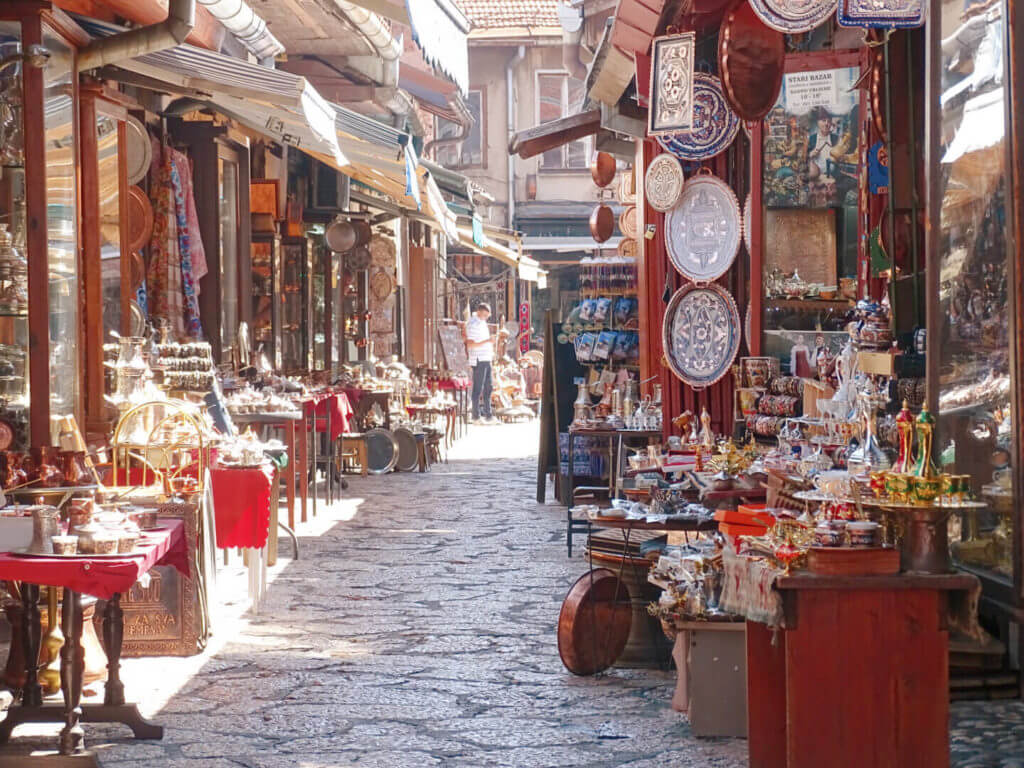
(434,448)
(353,446)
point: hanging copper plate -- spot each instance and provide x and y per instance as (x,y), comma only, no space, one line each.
(358,258)
(137,271)
(602,223)
(704,230)
(602,169)
(715,125)
(363,231)
(751,62)
(627,222)
(340,235)
(794,16)
(594,623)
(140,219)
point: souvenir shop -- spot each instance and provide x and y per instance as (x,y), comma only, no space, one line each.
(202,330)
(828,319)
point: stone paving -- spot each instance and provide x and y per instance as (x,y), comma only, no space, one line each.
(418,629)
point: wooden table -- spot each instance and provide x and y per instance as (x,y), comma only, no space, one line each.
(858,675)
(293,425)
(107,578)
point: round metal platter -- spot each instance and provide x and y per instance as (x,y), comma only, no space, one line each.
(751,62)
(138,149)
(627,222)
(715,125)
(381,451)
(794,16)
(701,334)
(663,182)
(746,222)
(408,453)
(703,231)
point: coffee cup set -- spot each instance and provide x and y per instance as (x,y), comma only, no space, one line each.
(907,488)
(837,532)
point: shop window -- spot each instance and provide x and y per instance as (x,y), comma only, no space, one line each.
(559,95)
(471,152)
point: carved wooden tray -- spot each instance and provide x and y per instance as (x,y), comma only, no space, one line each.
(663,182)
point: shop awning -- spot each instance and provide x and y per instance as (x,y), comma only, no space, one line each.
(488,247)
(278,104)
(983,126)
(530,270)
(439,28)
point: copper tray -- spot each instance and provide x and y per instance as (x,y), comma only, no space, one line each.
(602,169)
(602,223)
(140,219)
(594,623)
(627,222)
(751,60)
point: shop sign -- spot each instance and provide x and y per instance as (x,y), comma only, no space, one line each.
(671,85)
(811,144)
(524,327)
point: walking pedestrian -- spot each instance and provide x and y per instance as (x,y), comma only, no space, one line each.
(480,348)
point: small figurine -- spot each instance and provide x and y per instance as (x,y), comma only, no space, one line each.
(706,437)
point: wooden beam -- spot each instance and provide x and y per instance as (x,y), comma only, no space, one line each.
(554,133)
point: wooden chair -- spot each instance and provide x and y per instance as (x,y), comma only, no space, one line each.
(353,448)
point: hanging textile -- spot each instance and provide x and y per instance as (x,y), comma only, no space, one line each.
(185,249)
(164,275)
(198,252)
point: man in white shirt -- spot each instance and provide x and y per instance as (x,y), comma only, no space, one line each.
(480,347)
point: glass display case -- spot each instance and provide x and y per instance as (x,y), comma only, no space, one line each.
(296,300)
(974,317)
(266,284)
(39,277)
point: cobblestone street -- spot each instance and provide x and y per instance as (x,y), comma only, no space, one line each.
(417,629)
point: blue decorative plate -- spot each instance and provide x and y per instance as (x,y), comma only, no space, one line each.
(701,334)
(794,16)
(715,125)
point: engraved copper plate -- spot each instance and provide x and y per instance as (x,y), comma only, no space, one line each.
(881,13)
(627,222)
(627,248)
(794,16)
(701,334)
(663,182)
(715,125)
(671,85)
(802,240)
(751,61)
(703,231)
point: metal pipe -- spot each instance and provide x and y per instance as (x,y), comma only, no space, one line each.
(510,93)
(372,27)
(465,122)
(243,22)
(181,19)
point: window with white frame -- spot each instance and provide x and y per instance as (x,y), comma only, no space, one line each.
(470,152)
(559,95)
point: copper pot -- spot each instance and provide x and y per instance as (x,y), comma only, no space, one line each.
(602,169)
(363,231)
(602,223)
(340,235)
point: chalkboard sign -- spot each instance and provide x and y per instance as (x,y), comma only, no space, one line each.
(453,345)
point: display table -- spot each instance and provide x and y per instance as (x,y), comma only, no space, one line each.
(858,671)
(293,427)
(241,505)
(363,400)
(106,578)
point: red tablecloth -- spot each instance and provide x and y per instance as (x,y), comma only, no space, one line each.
(337,405)
(103,577)
(241,505)
(455,382)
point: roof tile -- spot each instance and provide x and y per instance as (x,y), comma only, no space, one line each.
(498,14)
